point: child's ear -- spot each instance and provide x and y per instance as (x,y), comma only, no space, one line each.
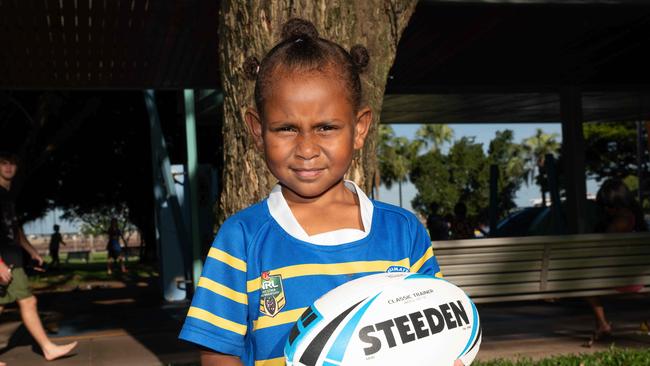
(364,119)
(255,127)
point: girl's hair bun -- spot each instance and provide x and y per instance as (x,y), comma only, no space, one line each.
(360,57)
(296,28)
(251,67)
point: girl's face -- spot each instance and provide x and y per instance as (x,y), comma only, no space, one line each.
(309,132)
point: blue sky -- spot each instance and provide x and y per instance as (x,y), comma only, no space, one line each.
(482,133)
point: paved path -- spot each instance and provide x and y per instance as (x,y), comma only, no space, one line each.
(129,326)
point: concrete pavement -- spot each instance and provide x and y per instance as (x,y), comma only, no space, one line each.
(129,326)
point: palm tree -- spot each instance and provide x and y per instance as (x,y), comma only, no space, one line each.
(395,156)
(435,134)
(536,148)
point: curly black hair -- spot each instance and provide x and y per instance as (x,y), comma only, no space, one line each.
(301,49)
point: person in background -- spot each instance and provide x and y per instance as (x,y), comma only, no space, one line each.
(620,213)
(436,224)
(461,228)
(55,241)
(12,276)
(114,248)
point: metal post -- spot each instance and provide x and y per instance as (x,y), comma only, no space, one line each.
(493,211)
(639,159)
(171,231)
(557,222)
(193,176)
(573,154)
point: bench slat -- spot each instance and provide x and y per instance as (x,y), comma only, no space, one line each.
(603,252)
(603,243)
(450,270)
(501,289)
(602,272)
(599,262)
(493,278)
(476,250)
(490,257)
(548,295)
(557,240)
(585,284)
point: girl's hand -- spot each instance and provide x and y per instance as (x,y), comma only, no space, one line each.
(458,363)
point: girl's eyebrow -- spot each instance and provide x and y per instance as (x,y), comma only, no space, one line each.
(281,123)
(328,122)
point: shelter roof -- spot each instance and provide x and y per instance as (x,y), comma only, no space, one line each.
(108,44)
(458,60)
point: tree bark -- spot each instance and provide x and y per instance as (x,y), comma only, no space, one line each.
(250,28)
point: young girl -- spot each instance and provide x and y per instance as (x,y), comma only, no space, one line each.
(315,231)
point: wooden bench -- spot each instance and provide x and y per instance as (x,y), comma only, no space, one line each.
(78,254)
(530,268)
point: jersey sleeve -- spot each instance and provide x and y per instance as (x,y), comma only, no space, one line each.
(422,258)
(217,318)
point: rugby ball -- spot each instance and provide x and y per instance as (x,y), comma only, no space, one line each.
(387,319)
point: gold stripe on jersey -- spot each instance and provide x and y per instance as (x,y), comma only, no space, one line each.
(271,362)
(299,270)
(224,291)
(284,317)
(420,262)
(217,321)
(228,259)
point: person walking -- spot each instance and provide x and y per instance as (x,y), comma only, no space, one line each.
(55,241)
(115,253)
(13,280)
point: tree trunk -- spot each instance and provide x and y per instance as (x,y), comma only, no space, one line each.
(400,193)
(250,28)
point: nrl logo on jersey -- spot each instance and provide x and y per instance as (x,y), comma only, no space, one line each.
(271,294)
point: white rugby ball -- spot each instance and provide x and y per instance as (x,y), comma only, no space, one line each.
(392,319)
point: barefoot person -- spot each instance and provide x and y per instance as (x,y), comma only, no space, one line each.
(14,285)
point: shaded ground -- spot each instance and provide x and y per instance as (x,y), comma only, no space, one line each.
(121,320)
(538,329)
(116,319)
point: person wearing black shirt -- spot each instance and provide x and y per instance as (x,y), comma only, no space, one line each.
(13,280)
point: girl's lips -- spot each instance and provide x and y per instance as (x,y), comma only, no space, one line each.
(308,173)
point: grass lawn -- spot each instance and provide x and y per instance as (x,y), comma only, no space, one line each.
(78,273)
(612,357)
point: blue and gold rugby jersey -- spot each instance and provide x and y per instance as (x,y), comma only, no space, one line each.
(258,279)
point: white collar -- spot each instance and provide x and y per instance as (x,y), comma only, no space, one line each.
(280,211)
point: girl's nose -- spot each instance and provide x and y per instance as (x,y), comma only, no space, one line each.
(307,147)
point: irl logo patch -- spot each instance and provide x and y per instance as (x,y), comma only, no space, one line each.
(272,298)
(397,269)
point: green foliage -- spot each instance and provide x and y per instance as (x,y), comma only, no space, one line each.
(432,179)
(612,357)
(97,220)
(395,156)
(535,149)
(435,135)
(611,149)
(510,159)
(462,175)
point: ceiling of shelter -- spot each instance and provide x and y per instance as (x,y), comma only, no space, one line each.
(108,44)
(458,60)
(507,62)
